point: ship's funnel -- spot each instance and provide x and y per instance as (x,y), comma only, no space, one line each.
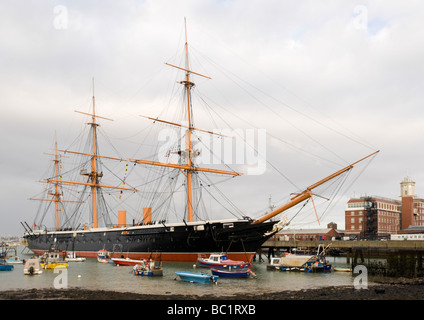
(122,218)
(147,215)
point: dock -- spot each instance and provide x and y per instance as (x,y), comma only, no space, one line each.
(348,244)
(390,258)
(350,248)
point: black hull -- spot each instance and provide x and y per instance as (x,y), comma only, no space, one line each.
(173,242)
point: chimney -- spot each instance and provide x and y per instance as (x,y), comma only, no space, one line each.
(122,218)
(147,215)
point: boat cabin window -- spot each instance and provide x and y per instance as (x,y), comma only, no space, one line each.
(228,225)
(215,259)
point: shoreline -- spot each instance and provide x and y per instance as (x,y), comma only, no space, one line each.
(398,289)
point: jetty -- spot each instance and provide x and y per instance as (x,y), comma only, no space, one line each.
(346,244)
(394,257)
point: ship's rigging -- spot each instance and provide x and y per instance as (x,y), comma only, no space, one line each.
(164,176)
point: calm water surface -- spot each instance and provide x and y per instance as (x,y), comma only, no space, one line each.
(94,275)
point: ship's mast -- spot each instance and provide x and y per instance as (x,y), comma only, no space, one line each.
(94,176)
(188,166)
(57,182)
(56,194)
(189,146)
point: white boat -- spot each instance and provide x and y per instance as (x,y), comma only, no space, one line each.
(219,260)
(15,260)
(289,260)
(340,269)
(72,257)
(33,266)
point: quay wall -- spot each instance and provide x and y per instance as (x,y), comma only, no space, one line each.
(349,244)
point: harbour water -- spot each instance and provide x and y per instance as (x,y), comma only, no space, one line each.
(94,275)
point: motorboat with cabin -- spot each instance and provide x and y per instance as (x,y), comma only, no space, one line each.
(221,261)
(33,267)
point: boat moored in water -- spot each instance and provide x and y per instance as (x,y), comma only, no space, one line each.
(234,273)
(148,268)
(15,260)
(51,260)
(198,277)
(4,266)
(103,256)
(72,257)
(221,261)
(289,260)
(126,261)
(33,266)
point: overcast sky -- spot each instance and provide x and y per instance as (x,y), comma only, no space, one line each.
(329,81)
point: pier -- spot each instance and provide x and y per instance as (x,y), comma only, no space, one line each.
(346,245)
(391,257)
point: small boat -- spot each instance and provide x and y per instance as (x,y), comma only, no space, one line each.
(340,269)
(33,266)
(51,260)
(103,256)
(147,268)
(235,273)
(289,260)
(274,265)
(221,261)
(4,266)
(197,277)
(72,257)
(15,260)
(301,262)
(126,261)
(317,265)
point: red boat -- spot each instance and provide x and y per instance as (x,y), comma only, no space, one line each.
(126,261)
(221,261)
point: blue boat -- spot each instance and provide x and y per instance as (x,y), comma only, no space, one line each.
(5,267)
(235,273)
(197,277)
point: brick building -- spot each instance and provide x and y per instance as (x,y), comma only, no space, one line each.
(375,217)
(310,234)
(412,206)
(372,217)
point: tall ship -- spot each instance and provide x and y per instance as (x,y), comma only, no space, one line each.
(185,240)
